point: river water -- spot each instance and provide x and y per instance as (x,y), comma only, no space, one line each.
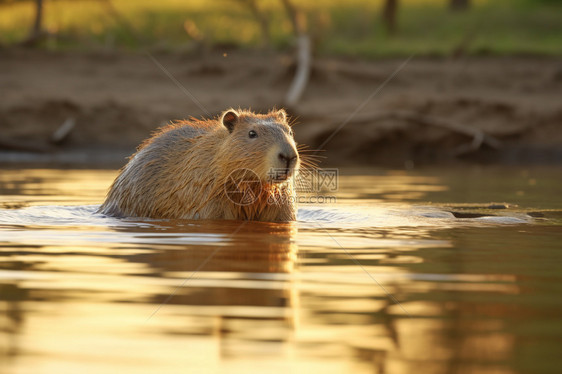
(398,272)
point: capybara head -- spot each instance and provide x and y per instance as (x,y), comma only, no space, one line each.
(263,144)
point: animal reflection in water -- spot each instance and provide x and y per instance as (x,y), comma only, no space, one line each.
(242,282)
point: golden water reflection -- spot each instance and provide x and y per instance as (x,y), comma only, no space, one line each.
(389,294)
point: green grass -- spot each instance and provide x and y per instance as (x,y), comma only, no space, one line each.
(351,27)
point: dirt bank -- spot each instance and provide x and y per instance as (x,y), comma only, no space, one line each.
(433,110)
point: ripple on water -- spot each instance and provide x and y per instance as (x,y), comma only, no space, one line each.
(342,216)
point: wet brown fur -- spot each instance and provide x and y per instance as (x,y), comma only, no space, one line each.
(184,171)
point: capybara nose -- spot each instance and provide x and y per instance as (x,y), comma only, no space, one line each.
(288,159)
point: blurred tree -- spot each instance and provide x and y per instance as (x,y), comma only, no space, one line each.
(262,20)
(36,33)
(459,5)
(38,17)
(296,18)
(121,19)
(389,16)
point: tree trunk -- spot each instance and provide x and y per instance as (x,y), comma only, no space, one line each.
(36,30)
(389,16)
(36,33)
(459,5)
(294,17)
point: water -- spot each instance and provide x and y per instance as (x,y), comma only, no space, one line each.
(405,273)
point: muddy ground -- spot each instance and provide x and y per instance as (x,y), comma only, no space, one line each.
(474,109)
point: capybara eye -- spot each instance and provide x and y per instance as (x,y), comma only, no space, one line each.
(253,134)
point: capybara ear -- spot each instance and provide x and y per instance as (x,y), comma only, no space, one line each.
(229,119)
(282,115)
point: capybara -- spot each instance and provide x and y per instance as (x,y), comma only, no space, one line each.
(238,166)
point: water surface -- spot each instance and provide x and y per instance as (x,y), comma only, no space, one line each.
(406,272)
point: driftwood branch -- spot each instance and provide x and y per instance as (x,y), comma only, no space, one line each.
(63,132)
(59,136)
(303,71)
(478,136)
(303,58)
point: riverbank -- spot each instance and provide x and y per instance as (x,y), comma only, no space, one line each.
(434,110)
